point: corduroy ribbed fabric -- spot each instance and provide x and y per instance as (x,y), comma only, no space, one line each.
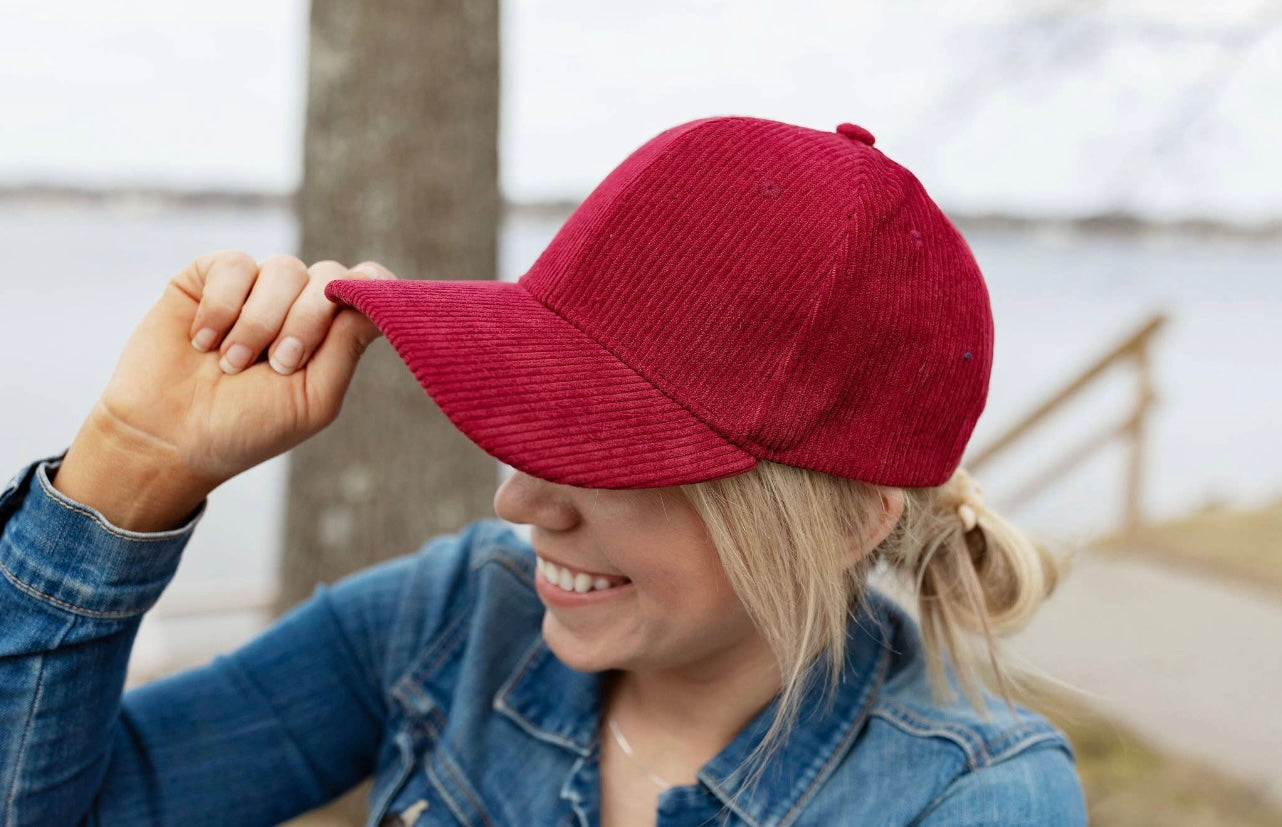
(737,289)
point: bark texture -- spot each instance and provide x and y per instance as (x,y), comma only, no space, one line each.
(400,166)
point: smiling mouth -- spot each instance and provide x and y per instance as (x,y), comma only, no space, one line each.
(573,580)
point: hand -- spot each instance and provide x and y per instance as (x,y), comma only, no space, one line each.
(238,362)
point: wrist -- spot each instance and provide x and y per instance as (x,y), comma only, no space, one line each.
(134,482)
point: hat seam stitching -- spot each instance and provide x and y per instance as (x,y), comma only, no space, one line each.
(836,263)
(700,416)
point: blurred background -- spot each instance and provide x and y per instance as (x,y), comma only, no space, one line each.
(1113,164)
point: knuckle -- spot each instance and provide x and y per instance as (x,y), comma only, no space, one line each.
(216,311)
(283,262)
(225,258)
(311,322)
(326,270)
(286,267)
(250,329)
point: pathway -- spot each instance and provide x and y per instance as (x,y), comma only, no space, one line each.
(1191,663)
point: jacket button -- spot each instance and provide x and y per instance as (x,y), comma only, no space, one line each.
(406,817)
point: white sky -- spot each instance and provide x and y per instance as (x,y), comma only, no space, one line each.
(1169,109)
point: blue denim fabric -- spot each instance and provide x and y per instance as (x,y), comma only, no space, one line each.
(429,672)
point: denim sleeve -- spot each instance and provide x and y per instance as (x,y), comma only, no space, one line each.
(73,588)
(287,722)
(1033,788)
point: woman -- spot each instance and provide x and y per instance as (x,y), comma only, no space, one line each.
(741,375)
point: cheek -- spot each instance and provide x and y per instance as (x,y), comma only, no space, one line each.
(696,597)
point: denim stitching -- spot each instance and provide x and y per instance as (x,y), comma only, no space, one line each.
(520,720)
(933,805)
(444,643)
(443,790)
(1035,737)
(883,664)
(914,724)
(461,783)
(379,807)
(406,687)
(963,732)
(62,501)
(9,809)
(101,614)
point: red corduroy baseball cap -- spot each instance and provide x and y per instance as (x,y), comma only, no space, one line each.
(737,289)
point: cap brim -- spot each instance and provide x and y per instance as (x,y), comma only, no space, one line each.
(534,391)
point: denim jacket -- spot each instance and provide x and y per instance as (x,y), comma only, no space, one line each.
(429,672)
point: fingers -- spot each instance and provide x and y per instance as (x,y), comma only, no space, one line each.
(308,320)
(334,364)
(335,360)
(220,282)
(280,281)
(277,305)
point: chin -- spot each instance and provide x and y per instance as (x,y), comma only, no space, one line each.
(576,653)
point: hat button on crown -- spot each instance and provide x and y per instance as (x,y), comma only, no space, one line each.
(856,133)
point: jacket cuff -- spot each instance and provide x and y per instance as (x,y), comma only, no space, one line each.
(70,556)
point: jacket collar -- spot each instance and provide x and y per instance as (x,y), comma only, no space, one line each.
(561,706)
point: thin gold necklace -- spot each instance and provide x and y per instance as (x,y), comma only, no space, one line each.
(627,750)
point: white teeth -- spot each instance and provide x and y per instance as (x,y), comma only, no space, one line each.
(568,580)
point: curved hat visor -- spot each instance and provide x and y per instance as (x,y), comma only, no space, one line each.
(534,391)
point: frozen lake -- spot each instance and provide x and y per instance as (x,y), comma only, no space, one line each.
(79,278)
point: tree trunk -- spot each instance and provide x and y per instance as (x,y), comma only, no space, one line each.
(400,166)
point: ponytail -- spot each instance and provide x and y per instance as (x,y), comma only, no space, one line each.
(976,578)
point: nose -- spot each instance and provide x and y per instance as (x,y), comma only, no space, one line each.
(524,499)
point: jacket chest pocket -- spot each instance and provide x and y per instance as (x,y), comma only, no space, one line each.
(452,788)
(423,787)
(428,797)
(401,796)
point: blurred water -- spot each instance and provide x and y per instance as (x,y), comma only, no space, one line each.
(77,279)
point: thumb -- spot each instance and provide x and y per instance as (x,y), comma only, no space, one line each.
(330,369)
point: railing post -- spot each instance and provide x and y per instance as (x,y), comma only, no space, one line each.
(1133,430)
(1137,432)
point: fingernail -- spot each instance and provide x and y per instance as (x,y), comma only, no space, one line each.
(204,339)
(289,353)
(235,359)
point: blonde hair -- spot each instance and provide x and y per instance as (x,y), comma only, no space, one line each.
(802,529)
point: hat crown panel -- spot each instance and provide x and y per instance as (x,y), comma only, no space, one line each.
(792,288)
(701,257)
